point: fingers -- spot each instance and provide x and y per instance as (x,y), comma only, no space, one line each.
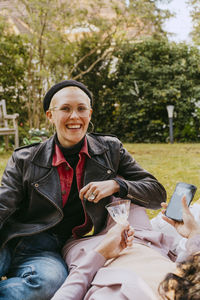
(119,236)
(85,192)
(92,195)
(187,215)
(164,205)
(90,192)
(120,227)
(127,236)
(185,206)
(95,191)
(117,232)
(130,236)
(170,221)
(82,192)
(130,232)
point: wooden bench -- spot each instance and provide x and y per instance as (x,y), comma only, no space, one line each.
(8,124)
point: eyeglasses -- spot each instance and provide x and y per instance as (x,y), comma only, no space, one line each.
(81,110)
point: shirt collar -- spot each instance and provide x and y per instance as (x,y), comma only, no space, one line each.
(58,157)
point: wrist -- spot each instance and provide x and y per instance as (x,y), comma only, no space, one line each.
(116,186)
(101,250)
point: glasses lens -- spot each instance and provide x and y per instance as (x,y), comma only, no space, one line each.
(82,111)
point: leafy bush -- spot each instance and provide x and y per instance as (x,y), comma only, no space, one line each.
(131,101)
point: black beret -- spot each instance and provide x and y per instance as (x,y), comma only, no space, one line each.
(58,86)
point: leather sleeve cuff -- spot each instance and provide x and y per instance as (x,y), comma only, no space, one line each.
(123,188)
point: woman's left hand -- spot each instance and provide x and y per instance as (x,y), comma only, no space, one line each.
(95,191)
(188,227)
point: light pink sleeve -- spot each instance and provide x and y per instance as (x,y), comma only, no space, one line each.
(80,278)
(193,244)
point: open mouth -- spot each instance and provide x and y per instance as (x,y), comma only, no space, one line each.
(78,126)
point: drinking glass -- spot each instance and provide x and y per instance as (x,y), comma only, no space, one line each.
(119,210)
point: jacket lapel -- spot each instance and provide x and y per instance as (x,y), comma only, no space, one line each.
(49,184)
(97,167)
(49,187)
(44,154)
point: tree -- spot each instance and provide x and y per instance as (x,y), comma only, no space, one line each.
(53,45)
(195,11)
(13,58)
(148,76)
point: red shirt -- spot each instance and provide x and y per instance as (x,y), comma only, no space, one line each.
(66,174)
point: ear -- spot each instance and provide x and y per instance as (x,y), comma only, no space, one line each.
(91,111)
(49,116)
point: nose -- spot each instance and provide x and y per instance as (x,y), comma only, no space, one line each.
(74,114)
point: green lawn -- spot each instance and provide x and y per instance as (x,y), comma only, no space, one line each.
(3,161)
(168,163)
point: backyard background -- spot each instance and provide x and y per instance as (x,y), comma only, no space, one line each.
(120,50)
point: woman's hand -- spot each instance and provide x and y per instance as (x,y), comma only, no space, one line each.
(116,240)
(189,227)
(95,191)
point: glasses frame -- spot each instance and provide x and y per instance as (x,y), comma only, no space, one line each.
(56,108)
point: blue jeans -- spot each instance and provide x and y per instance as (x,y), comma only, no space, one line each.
(34,268)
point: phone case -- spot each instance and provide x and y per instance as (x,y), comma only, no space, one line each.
(174,209)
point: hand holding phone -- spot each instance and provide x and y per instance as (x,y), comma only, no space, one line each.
(189,227)
(174,208)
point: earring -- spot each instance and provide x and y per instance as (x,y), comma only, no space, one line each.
(92,127)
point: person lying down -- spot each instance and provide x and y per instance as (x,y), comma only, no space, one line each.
(103,273)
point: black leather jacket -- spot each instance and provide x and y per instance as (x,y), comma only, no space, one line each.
(30,193)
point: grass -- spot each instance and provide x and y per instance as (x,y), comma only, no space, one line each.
(3,161)
(168,163)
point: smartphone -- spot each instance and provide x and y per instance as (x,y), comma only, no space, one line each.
(174,208)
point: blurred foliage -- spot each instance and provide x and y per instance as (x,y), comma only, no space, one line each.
(194,13)
(55,29)
(36,136)
(13,58)
(133,90)
(133,74)
(151,75)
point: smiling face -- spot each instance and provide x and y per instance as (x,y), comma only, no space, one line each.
(70,127)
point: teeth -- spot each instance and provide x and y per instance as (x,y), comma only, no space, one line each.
(74,126)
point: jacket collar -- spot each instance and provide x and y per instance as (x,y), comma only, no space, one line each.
(44,154)
(95,146)
(58,157)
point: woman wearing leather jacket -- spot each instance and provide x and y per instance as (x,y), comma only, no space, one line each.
(59,188)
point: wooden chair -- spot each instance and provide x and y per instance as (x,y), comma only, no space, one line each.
(8,124)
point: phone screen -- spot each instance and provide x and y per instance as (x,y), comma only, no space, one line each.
(174,209)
